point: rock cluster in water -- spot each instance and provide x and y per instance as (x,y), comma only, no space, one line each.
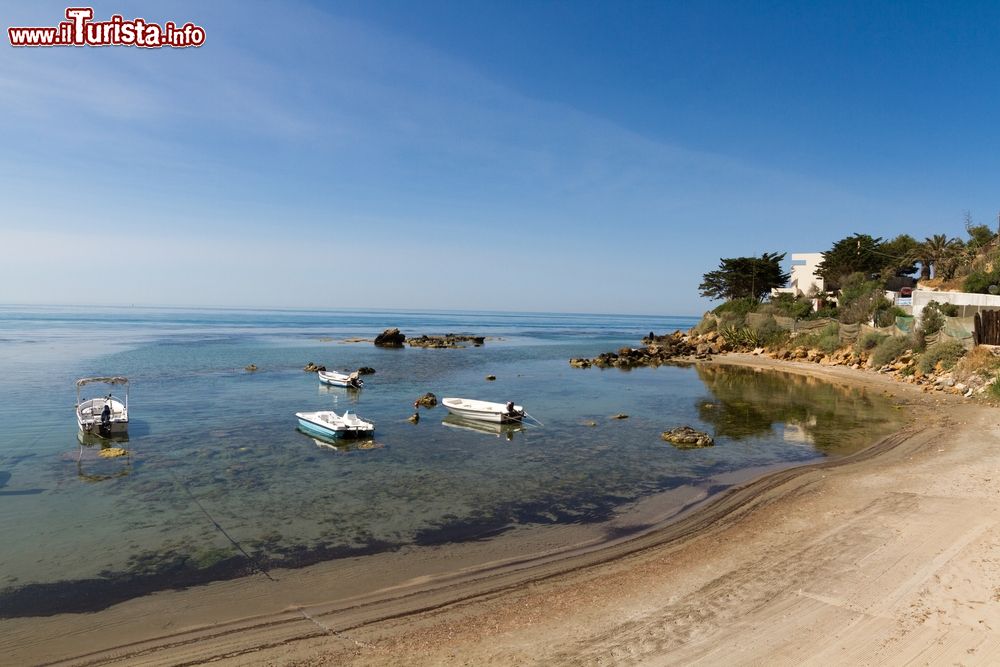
(312,368)
(366,370)
(685,437)
(447,340)
(428,400)
(390,338)
(658,350)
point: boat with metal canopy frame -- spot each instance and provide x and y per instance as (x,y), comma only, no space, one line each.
(106,415)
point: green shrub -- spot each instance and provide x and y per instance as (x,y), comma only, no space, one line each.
(826,339)
(769,334)
(889,349)
(995,387)
(777,340)
(949,310)
(979,282)
(730,320)
(827,310)
(708,323)
(886,316)
(860,299)
(767,309)
(829,343)
(738,306)
(931,319)
(868,341)
(785,304)
(947,353)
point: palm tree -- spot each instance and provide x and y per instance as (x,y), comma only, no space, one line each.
(938,253)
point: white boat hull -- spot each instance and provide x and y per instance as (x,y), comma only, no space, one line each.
(499,413)
(90,418)
(329,424)
(340,379)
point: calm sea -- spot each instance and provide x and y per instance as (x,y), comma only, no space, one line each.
(219,483)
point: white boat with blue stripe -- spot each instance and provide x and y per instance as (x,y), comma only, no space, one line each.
(329,424)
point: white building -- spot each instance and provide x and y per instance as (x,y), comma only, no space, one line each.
(803,279)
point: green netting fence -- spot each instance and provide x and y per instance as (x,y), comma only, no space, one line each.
(955,328)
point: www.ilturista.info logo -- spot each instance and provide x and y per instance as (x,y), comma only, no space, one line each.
(80,30)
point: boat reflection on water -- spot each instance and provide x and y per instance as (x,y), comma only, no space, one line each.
(341,444)
(100,458)
(506,430)
(352,394)
(97,442)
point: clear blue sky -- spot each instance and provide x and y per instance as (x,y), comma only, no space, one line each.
(556,156)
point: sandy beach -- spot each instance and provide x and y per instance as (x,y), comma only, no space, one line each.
(887,557)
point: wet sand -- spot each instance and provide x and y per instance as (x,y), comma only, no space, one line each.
(889,556)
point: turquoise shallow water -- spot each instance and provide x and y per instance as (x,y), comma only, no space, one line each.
(219,482)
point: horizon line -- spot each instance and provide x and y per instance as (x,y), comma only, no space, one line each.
(301,309)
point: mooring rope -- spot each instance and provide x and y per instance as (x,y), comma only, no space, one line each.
(260,568)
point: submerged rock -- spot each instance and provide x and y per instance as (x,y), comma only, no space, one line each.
(446,340)
(251,368)
(620,415)
(366,370)
(491,377)
(312,368)
(112,452)
(390,338)
(685,437)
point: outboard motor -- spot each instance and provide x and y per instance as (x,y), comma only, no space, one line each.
(105,428)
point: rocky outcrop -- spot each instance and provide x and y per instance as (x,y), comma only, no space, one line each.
(312,368)
(904,368)
(428,400)
(658,350)
(390,338)
(447,340)
(251,368)
(685,437)
(366,370)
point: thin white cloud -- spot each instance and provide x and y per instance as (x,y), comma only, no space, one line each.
(226,171)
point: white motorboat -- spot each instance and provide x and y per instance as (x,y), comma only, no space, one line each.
(335,379)
(328,424)
(486,411)
(106,416)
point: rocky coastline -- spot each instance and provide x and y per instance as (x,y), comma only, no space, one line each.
(658,350)
(691,346)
